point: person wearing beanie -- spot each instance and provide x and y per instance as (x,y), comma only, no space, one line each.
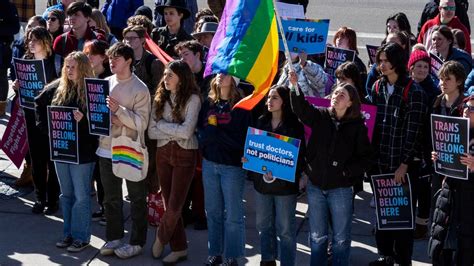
(419,70)
(145,11)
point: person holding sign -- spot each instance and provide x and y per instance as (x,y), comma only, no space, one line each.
(221,131)
(443,39)
(401,108)
(311,76)
(174,117)
(39,43)
(75,179)
(346,38)
(338,153)
(276,198)
(452,231)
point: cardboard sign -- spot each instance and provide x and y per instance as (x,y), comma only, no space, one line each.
(305,35)
(335,57)
(15,139)
(266,151)
(393,203)
(286,10)
(30,74)
(450,136)
(435,64)
(372,52)
(63,134)
(98,113)
(367,110)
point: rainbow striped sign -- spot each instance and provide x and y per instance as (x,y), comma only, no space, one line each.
(266,151)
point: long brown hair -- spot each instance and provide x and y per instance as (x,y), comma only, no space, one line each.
(43,36)
(187,87)
(68,89)
(353,111)
(215,93)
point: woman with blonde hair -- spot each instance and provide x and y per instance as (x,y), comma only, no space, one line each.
(98,23)
(222,131)
(74,179)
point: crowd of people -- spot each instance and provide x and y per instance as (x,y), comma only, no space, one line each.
(195,137)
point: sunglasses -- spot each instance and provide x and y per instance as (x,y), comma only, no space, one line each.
(469,108)
(53,19)
(449,8)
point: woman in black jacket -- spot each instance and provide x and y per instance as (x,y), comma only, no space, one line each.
(338,151)
(39,47)
(276,198)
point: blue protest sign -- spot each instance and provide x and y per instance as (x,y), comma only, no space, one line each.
(98,113)
(266,151)
(63,135)
(307,35)
(32,79)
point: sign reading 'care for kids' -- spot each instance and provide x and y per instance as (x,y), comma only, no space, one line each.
(266,151)
(393,202)
(306,35)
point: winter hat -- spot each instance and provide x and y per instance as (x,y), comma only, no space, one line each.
(418,55)
(145,11)
(180,5)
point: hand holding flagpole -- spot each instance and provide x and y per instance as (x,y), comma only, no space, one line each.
(285,45)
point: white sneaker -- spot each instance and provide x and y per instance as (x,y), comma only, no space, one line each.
(127,251)
(108,248)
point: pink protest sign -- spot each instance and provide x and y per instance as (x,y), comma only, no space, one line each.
(14,142)
(369,112)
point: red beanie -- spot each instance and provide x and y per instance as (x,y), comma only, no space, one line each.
(418,55)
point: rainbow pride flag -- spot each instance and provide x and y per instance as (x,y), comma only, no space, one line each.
(246,46)
(128,156)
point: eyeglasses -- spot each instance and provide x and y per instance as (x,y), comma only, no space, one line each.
(53,19)
(469,108)
(131,39)
(449,8)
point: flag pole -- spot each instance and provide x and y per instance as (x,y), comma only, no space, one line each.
(285,45)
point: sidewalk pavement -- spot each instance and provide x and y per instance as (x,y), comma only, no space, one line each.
(29,239)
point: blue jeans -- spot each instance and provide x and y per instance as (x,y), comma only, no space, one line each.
(75,182)
(276,218)
(223,197)
(335,206)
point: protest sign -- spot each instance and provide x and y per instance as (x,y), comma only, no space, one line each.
(372,51)
(450,136)
(435,64)
(32,79)
(393,203)
(305,35)
(286,10)
(15,140)
(98,113)
(63,135)
(368,111)
(335,57)
(266,151)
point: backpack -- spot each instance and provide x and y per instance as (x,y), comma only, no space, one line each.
(406,90)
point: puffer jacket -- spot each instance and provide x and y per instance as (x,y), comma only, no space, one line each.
(311,78)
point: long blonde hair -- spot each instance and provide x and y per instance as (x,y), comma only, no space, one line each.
(68,89)
(215,93)
(99,19)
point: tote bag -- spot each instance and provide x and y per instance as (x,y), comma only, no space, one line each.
(129,157)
